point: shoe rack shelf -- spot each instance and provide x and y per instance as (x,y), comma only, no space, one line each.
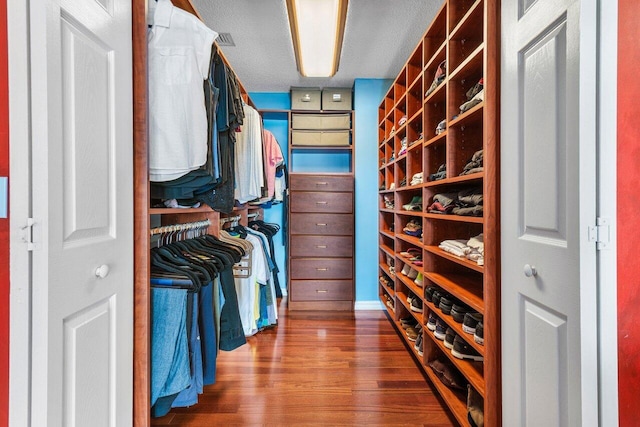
(422,129)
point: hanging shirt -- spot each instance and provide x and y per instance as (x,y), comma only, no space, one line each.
(272,158)
(179,47)
(249,172)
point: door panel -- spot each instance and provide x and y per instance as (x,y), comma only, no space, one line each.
(87,73)
(541,215)
(82,174)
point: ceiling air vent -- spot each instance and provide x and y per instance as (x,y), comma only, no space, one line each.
(225,39)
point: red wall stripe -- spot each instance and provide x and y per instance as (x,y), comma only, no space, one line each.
(628,222)
(4,223)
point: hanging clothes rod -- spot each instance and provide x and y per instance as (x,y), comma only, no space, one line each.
(181,227)
(230,219)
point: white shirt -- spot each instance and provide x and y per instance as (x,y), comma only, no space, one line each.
(179,52)
(249,172)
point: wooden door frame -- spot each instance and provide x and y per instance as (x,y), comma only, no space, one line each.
(142,308)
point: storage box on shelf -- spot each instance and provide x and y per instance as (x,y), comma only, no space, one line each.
(436,95)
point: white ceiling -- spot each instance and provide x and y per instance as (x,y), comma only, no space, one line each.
(379,37)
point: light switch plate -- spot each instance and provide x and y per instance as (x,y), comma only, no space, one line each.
(4,196)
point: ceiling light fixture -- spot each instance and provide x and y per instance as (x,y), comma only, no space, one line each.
(317,30)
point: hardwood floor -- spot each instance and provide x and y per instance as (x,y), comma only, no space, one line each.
(329,369)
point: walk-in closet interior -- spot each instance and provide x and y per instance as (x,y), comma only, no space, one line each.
(338,214)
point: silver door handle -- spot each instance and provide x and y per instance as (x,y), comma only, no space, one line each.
(102,271)
(530,270)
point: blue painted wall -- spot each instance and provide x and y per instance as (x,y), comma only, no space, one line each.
(367,96)
(278,125)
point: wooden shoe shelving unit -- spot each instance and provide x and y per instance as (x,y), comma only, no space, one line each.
(465,33)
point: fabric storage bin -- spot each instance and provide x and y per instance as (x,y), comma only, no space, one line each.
(325,137)
(305,98)
(320,121)
(336,98)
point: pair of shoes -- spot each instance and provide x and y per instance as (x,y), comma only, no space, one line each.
(389,302)
(470,322)
(478,335)
(405,322)
(388,202)
(442,126)
(418,344)
(441,329)
(403,182)
(428,293)
(475,407)
(413,332)
(437,295)
(419,280)
(458,311)
(386,281)
(402,120)
(409,271)
(412,253)
(415,303)
(432,322)
(414,205)
(462,350)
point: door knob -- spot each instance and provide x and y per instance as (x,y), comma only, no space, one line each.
(102,271)
(530,270)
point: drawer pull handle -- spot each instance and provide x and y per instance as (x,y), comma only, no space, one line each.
(322,269)
(321,246)
(319,224)
(322,291)
(322,183)
(321,203)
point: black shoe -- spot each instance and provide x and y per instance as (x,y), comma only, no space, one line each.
(449,338)
(471,319)
(458,311)
(446,303)
(462,350)
(431,323)
(441,330)
(478,335)
(437,295)
(416,304)
(428,293)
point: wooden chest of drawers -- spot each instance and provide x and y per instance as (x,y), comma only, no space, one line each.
(321,242)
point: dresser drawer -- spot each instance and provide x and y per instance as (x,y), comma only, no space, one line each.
(321,290)
(325,224)
(321,246)
(311,201)
(307,182)
(321,268)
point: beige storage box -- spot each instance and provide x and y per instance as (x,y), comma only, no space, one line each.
(320,138)
(320,121)
(336,98)
(305,98)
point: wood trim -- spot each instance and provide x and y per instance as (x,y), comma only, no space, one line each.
(142,308)
(491,126)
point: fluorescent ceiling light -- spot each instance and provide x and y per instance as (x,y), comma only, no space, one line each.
(317,29)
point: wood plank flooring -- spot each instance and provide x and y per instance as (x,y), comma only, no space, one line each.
(317,368)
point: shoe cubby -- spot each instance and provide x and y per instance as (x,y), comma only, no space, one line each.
(386,222)
(459,85)
(435,155)
(450,138)
(433,114)
(400,89)
(414,66)
(435,37)
(414,98)
(414,164)
(467,36)
(467,137)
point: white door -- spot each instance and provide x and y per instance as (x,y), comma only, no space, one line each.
(547,198)
(80,58)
